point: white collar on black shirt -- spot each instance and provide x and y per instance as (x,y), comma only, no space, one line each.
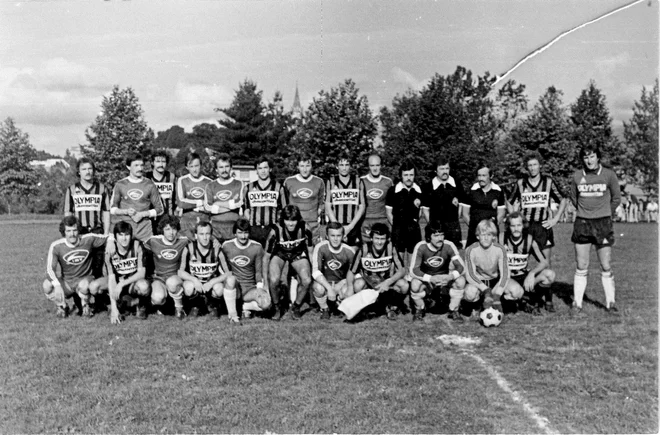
(493,186)
(401,186)
(436,182)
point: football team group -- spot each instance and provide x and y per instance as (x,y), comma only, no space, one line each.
(191,245)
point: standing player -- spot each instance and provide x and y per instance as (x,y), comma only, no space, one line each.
(307,192)
(440,203)
(165,181)
(485,200)
(245,258)
(376,187)
(330,263)
(73,255)
(403,202)
(264,198)
(344,201)
(377,266)
(136,200)
(223,199)
(535,282)
(595,194)
(289,243)
(429,268)
(190,196)
(125,273)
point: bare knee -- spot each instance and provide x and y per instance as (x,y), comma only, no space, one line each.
(472,293)
(319,290)
(188,288)
(459,283)
(142,287)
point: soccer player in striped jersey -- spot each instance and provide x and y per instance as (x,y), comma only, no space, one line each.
(344,201)
(73,255)
(429,268)
(245,259)
(165,181)
(307,192)
(223,198)
(190,196)
(136,200)
(376,187)
(331,260)
(596,195)
(485,200)
(289,242)
(206,272)
(378,266)
(534,282)
(403,210)
(264,198)
(125,273)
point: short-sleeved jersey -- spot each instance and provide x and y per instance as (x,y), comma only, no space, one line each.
(344,197)
(332,263)
(307,194)
(245,261)
(140,196)
(376,267)
(289,244)
(88,205)
(221,190)
(264,202)
(204,266)
(125,265)
(517,254)
(166,188)
(484,205)
(401,200)
(189,191)
(535,200)
(486,264)
(438,197)
(375,195)
(427,260)
(595,194)
(166,255)
(75,260)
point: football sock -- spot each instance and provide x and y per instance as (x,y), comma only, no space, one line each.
(293,290)
(57,295)
(230,302)
(541,291)
(579,286)
(84,298)
(177,296)
(455,297)
(607,278)
(251,306)
(418,299)
(322,301)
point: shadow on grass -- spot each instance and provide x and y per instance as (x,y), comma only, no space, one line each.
(564,291)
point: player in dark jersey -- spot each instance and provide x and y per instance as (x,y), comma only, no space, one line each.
(534,282)
(125,273)
(331,260)
(431,273)
(485,200)
(206,273)
(223,198)
(264,198)
(403,202)
(289,243)
(378,266)
(596,195)
(344,201)
(307,192)
(190,196)
(165,181)
(73,255)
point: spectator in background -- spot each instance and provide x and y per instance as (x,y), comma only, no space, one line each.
(652,208)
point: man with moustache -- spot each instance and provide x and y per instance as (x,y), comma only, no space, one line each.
(223,199)
(165,181)
(485,200)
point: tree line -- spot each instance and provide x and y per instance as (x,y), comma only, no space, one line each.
(459,115)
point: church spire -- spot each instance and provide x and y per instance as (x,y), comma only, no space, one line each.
(296,109)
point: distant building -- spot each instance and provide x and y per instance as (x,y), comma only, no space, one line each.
(245,173)
(296,109)
(49,164)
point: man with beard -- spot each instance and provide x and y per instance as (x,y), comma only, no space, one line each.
(223,198)
(165,181)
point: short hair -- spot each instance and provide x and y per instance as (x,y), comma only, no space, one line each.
(442,160)
(191,157)
(344,156)
(534,155)
(484,164)
(588,149)
(334,226)
(263,159)
(514,215)
(290,213)
(407,165)
(304,157)
(433,228)
(170,220)
(69,221)
(379,229)
(224,157)
(83,160)
(133,157)
(486,226)
(242,224)
(123,227)
(161,153)
(203,224)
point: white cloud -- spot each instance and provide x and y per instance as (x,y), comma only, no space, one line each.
(401,76)
(197,100)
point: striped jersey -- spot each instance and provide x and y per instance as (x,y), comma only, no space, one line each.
(487,264)
(517,254)
(125,265)
(140,195)
(218,190)
(204,265)
(535,200)
(283,242)
(427,260)
(375,195)
(307,194)
(376,267)
(167,256)
(167,189)
(332,263)
(345,198)
(88,205)
(245,261)
(264,202)
(595,194)
(75,260)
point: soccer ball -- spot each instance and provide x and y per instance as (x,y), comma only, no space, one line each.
(490,317)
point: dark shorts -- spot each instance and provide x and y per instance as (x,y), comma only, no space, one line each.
(259,233)
(292,257)
(599,232)
(354,238)
(405,238)
(223,230)
(545,238)
(520,279)
(366,225)
(453,233)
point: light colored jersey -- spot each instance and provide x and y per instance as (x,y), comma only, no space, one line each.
(595,194)
(332,264)
(75,260)
(487,264)
(375,195)
(140,196)
(307,194)
(166,255)
(221,190)
(245,262)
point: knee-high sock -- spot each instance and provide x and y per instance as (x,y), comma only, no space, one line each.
(579,286)
(251,306)
(177,296)
(455,297)
(84,298)
(322,301)
(230,302)
(57,296)
(607,279)
(418,299)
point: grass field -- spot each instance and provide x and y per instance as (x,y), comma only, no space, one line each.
(550,374)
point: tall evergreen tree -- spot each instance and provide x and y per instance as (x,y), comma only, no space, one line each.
(18,179)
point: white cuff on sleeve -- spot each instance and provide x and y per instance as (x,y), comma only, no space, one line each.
(455,274)
(426,277)
(316,274)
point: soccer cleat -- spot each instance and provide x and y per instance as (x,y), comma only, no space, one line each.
(62,312)
(278,312)
(213,311)
(179,313)
(295,312)
(550,307)
(419,315)
(325,314)
(391,313)
(575,310)
(612,308)
(234,320)
(194,312)
(141,313)
(87,311)
(247,314)
(456,316)
(536,311)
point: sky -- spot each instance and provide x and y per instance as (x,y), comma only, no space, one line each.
(185,58)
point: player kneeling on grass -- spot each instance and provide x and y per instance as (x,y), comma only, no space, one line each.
(330,263)
(429,268)
(378,266)
(206,273)
(535,282)
(73,254)
(125,273)
(487,270)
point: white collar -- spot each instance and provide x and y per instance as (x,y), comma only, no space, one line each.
(135,180)
(600,169)
(436,182)
(372,179)
(401,186)
(304,180)
(224,183)
(493,186)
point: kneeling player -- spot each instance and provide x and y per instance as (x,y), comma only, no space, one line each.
(73,254)
(429,267)
(206,273)
(330,263)
(487,269)
(378,266)
(518,249)
(125,273)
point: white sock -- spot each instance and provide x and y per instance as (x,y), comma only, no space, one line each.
(251,306)
(607,279)
(177,296)
(322,301)
(84,298)
(579,286)
(455,297)
(418,299)
(230,302)
(293,289)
